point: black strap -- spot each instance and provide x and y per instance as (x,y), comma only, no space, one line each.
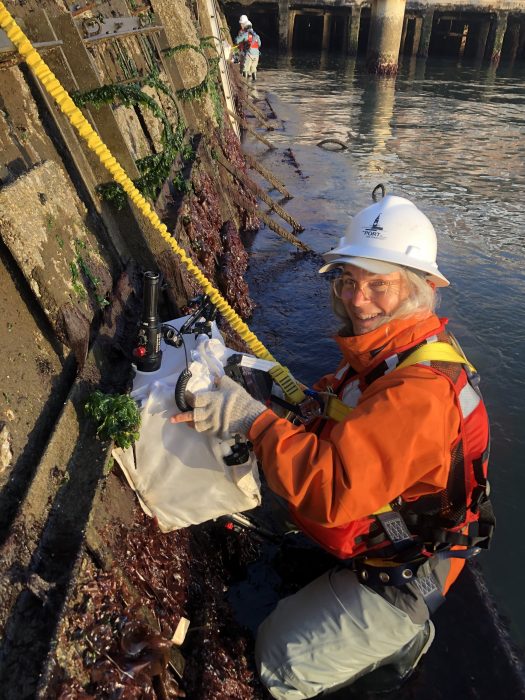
(479,492)
(479,535)
(292,407)
(411,574)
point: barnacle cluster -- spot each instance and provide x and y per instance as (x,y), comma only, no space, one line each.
(233,264)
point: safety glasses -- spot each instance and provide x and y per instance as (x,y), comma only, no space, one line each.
(345,287)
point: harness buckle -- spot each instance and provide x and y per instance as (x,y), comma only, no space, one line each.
(311,407)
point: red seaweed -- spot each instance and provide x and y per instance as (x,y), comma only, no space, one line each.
(118,654)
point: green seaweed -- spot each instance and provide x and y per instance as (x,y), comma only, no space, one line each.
(117,417)
(154,169)
(77,283)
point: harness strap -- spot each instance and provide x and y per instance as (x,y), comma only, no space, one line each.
(395,529)
(382,573)
(481,491)
(430,590)
(434,351)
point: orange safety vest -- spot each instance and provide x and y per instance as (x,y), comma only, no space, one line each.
(437,521)
(254,42)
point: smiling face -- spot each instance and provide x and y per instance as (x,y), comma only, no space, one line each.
(369,299)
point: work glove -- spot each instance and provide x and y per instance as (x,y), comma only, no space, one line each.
(228,410)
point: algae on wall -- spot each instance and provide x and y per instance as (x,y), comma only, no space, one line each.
(58,494)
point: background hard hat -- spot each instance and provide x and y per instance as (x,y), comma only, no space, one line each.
(244,20)
(390,232)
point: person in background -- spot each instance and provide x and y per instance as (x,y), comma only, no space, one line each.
(392,481)
(248,43)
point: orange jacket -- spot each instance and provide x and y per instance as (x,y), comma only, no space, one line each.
(396,442)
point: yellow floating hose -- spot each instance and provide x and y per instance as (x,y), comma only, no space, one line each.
(52,85)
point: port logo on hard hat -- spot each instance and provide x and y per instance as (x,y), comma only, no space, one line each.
(374,231)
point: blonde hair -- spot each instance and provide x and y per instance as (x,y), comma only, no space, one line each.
(421,300)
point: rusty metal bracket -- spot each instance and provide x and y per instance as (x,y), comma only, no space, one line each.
(95,29)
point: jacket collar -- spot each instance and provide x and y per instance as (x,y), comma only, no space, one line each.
(363,351)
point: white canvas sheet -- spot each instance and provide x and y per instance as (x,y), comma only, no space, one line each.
(179,475)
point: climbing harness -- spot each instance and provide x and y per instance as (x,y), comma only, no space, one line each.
(403,542)
(281,375)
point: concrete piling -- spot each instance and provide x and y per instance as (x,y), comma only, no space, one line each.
(500,28)
(327,28)
(353,30)
(426,33)
(386,26)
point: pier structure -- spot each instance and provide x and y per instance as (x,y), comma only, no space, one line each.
(385,30)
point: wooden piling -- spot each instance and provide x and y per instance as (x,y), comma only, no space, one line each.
(327,30)
(254,164)
(259,192)
(426,33)
(244,124)
(500,26)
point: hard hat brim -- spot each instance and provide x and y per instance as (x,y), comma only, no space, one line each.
(336,258)
(378,267)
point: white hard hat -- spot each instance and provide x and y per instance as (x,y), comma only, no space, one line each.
(244,20)
(390,233)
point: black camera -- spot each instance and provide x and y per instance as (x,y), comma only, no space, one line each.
(257,382)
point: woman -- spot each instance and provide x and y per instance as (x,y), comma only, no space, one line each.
(391,488)
(248,42)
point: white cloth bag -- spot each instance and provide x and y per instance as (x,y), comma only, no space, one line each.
(179,475)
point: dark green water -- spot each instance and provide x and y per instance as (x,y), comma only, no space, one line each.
(451,137)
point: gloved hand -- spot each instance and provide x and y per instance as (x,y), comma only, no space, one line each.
(227,411)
